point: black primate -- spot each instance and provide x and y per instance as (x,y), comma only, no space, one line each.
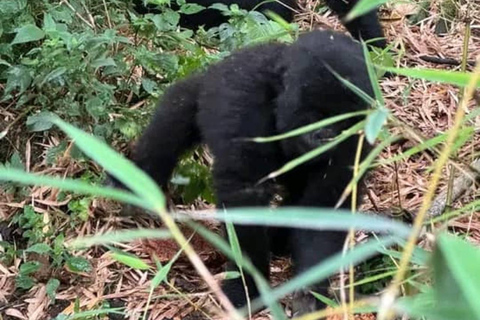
(264,91)
(366,27)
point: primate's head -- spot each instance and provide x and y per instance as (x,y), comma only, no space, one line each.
(313,90)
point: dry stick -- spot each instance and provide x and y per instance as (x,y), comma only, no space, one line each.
(460,185)
(388,298)
(76,13)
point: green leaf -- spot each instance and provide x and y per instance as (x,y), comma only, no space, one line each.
(24,282)
(191,8)
(442,76)
(40,121)
(374,124)
(120,236)
(149,85)
(128,259)
(456,275)
(28,33)
(29,267)
(54,74)
(40,248)
(104,62)
(232,275)
(78,264)
(52,286)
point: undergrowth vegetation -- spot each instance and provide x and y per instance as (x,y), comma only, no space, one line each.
(77,76)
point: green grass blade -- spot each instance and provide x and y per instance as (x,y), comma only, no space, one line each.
(117,165)
(310,127)
(26,178)
(443,76)
(316,152)
(120,236)
(329,267)
(312,218)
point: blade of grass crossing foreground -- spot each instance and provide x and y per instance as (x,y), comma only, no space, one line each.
(373,76)
(117,165)
(20,176)
(315,152)
(460,79)
(313,218)
(121,236)
(310,127)
(328,267)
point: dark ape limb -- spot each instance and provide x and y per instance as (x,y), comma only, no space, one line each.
(310,247)
(172,130)
(237,102)
(365,27)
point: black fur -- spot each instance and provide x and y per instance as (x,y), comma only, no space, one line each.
(263,91)
(366,27)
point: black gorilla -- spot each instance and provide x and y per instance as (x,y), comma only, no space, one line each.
(263,91)
(366,27)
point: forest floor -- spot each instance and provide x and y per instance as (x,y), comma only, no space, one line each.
(428,108)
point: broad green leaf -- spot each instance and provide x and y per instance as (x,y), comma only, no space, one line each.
(120,236)
(54,74)
(28,33)
(456,272)
(51,287)
(40,121)
(40,248)
(29,267)
(374,124)
(78,264)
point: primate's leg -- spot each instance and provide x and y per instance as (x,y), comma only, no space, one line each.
(310,247)
(253,240)
(236,185)
(366,27)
